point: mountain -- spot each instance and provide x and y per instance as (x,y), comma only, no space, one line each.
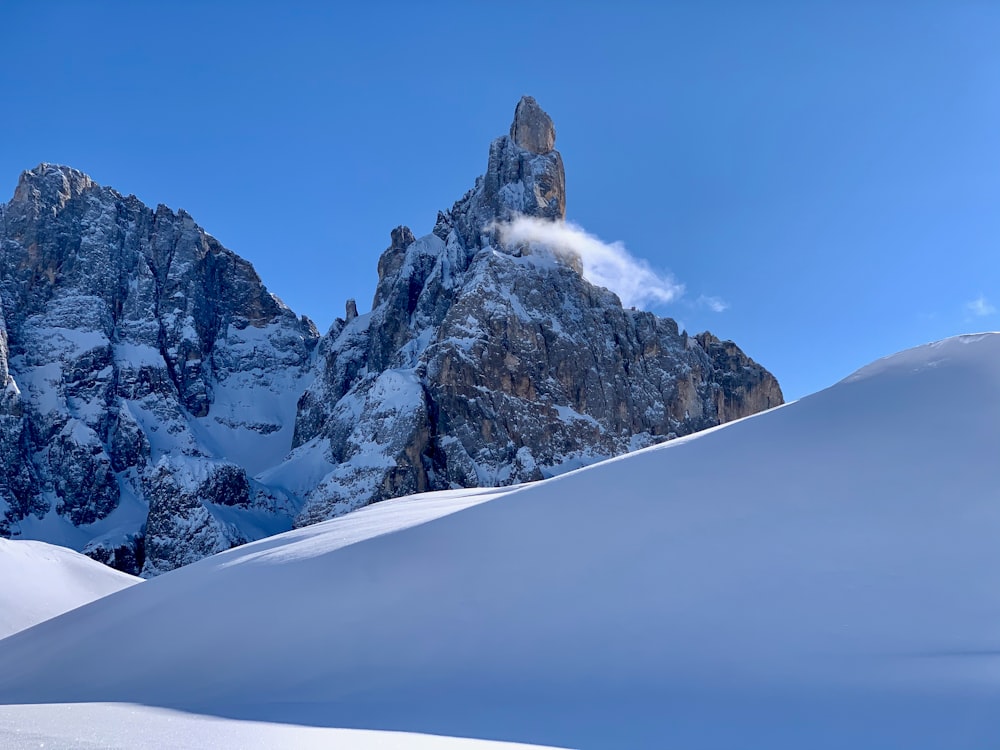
(486,362)
(820,575)
(39,581)
(148,374)
(159,405)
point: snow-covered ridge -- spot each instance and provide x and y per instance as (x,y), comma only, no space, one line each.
(818,575)
(150,376)
(39,581)
(125,726)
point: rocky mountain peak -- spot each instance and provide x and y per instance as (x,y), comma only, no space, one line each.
(401,237)
(145,375)
(532,128)
(524,177)
(158,405)
(51,185)
(481,365)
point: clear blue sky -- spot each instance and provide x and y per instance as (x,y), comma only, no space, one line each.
(829,170)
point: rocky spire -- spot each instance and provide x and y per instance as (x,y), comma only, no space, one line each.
(480,366)
(50,185)
(524,177)
(532,128)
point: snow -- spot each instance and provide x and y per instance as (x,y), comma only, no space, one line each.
(368,522)
(39,581)
(822,575)
(252,416)
(114,529)
(569,414)
(304,469)
(107,725)
(132,356)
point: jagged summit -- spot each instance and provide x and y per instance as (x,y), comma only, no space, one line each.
(157,404)
(46,172)
(532,128)
(51,185)
(150,373)
(482,365)
(524,177)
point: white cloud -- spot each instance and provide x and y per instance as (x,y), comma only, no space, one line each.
(980,307)
(604,264)
(715,304)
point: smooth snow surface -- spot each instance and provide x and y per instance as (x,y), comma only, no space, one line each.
(823,575)
(111,725)
(39,581)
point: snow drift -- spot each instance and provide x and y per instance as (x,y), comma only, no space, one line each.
(39,581)
(822,575)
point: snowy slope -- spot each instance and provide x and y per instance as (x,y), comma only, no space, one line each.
(39,581)
(823,575)
(96,725)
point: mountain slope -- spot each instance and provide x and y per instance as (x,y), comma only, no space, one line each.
(820,575)
(39,581)
(487,362)
(147,375)
(74,726)
(151,388)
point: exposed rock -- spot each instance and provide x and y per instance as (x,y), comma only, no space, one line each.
(127,554)
(151,388)
(128,335)
(743,389)
(482,365)
(388,263)
(532,128)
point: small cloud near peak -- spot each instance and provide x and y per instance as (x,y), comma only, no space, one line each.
(715,304)
(980,307)
(605,264)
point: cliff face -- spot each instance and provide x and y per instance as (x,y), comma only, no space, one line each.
(485,363)
(151,388)
(132,343)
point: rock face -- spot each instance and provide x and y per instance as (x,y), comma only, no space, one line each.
(484,364)
(532,128)
(151,388)
(145,369)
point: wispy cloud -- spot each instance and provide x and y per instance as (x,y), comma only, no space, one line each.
(980,307)
(605,264)
(715,304)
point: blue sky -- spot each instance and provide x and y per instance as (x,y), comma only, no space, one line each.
(829,171)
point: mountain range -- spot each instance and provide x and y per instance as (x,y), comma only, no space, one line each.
(159,405)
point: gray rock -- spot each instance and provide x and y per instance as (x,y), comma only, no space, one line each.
(532,128)
(129,336)
(481,364)
(151,388)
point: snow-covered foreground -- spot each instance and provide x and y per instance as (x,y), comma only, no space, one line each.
(39,581)
(112,725)
(824,575)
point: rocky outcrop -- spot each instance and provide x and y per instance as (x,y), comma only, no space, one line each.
(532,128)
(151,388)
(132,340)
(483,363)
(17,478)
